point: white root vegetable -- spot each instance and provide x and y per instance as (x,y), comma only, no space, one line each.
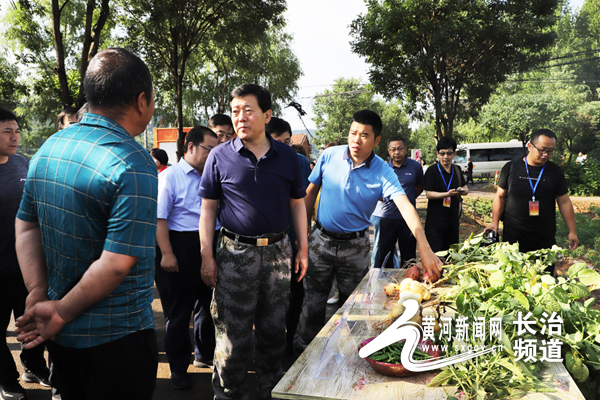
(405,284)
(397,310)
(407,295)
(421,289)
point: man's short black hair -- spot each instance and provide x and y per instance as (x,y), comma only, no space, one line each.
(65,113)
(446,143)
(160,155)
(219,119)
(368,117)
(6,115)
(278,126)
(196,136)
(396,139)
(545,132)
(263,97)
(114,80)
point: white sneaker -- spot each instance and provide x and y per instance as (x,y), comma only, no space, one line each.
(334,299)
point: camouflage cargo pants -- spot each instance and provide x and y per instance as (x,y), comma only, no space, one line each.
(348,260)
(253,285)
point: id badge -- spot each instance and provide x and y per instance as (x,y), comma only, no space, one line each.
(534,208)
(447,201)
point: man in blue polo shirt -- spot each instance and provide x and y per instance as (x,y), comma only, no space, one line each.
(389,225)
(179,244)
(351,179)
(256,181)
(85,238)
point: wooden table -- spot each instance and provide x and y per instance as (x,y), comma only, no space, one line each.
(355,379)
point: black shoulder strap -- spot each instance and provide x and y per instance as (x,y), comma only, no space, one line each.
(458,172)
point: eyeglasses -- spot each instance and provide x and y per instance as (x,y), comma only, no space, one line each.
(393,149)
(206,148)
(446,153)
(548,152)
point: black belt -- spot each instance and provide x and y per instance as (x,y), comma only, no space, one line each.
(342,236)
(193,234)
(264,240)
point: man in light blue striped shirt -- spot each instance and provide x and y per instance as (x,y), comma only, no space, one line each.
(179,242)
(85,237)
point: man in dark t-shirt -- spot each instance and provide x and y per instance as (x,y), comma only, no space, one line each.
(525,200)
(444,187)
(13,293)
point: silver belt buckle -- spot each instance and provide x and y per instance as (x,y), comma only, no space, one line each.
(262,242)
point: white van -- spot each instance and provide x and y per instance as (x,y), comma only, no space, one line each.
(487,158)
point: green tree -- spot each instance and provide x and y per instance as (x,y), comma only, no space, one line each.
(10,86)
(217,68)
(334,109)
(446,54)
(57,40)
(168,32)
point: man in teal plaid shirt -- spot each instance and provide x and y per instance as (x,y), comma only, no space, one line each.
(85,238)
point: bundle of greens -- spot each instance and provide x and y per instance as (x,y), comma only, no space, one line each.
(391,354)
(498,281)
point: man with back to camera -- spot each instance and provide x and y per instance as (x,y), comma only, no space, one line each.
(223,127)
(85,237)
(281,131)
(527,191)
(179,244)
(256,181)
(390,228)
(13,293)
(351,179)
(443,187)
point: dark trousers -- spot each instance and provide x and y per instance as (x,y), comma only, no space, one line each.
(392,231)
(188,294)
(441,233)
(161,283)
(122,369)
(12,301)
(292,315)
(528,241)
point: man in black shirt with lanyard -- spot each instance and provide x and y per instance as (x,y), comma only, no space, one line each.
(526,196)
(444,186)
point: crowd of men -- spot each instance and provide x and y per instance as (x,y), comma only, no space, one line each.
(226,230)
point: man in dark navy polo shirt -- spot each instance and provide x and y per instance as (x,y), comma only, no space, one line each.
(257,184)
(389,225)
(351,179)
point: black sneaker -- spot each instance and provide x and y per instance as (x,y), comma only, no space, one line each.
(42,377)
(12,391)
(180,381)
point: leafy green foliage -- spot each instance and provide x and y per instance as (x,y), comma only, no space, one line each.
(583,179)
(587,232)
(499,281)
(440,53)
(334,109)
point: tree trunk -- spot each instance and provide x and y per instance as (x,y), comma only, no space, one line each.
(91,41)
(179,122)
(65,95)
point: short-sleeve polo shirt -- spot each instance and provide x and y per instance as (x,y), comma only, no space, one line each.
(410,175)
(254,195)
(91,187)
(349,194)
